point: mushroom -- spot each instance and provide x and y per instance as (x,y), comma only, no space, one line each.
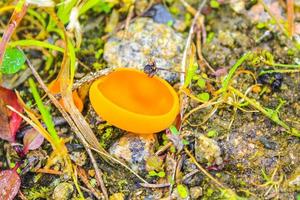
(132,101)
(54,88)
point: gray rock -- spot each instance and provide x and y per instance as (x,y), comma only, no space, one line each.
(63,191)
(78,157)
(143,41)
(268,144)
(207,150)
(196,192)
(134,149)
(160,14)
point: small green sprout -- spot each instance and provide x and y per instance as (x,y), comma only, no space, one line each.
(212,133)
(160,174)
(182,191)
(204,96)
(214,4)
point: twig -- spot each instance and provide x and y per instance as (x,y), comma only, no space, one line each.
(203,170)
(190,174)
(91,77)
(188,41)
(290,16)
(199,52)
(123,24)
(129,16)
(98,173)
(17,16)
(83,176)
(184,57)
(149,185)
(164,148)
(174,163)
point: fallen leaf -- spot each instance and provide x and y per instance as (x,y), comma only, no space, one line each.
(8,97)
(32,140)
(13,61)
(9,184)
(4,123)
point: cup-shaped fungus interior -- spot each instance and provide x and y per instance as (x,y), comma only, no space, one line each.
(137,93)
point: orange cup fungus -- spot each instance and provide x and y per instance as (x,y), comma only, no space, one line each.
(54,88)
(130,100)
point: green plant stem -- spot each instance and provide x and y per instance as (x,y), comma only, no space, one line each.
(271,115)
(228,78)
(282,65)
(279,71)
(30,43)
(47,118)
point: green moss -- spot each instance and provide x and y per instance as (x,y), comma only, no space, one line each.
(34,193)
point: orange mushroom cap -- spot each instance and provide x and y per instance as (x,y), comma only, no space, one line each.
(130,100)
(54,88)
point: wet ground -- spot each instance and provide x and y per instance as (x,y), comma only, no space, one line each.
(241,148)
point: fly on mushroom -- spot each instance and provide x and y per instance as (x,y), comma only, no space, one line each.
(150,68)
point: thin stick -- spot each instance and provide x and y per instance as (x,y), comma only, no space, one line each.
(129,16)
(14,21)
(188,41)
(98,173)
(199,52)
(184,57)
(203,170)
(290,16)
(149,185)
(174,163)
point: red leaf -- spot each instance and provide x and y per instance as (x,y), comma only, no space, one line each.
(32,140)
(9,184)
(8,97)
(4,123)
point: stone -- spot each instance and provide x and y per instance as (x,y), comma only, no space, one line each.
(63,191)
(146,40)
(134,149)
(78,157)
(160,14)
(196,192)
(207,150)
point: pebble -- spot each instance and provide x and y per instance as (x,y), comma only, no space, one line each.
(160,14)
(207,150)
(134,149)
(268,144)
(196,192)
(63,191)
(79,158)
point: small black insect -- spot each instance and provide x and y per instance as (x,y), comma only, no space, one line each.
(274,80)
(150,69)
(264,79)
